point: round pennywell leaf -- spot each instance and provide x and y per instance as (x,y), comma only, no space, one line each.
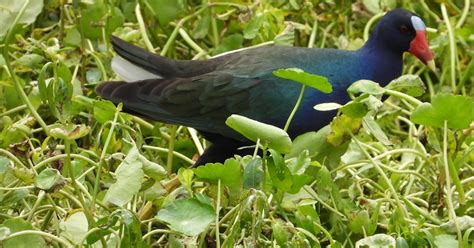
(365,86)
(187,216)
(377,240)
(458,111)
(408,84)
(74,227)
(69,131)
(49,179)
(312,80)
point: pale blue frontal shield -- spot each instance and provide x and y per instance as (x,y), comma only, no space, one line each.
(418,24)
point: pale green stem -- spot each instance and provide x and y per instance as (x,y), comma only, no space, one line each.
(104,152)
(12,157)
(169,160)
(449,200)
(404,96)
(141,24)
(218,206)
(159,231)
(312,37)
(68,164)
(35,232)
(452,46)
(195,138)
(293,112)
(165,150)
(370,23)
(465,12)
(40,198)
(191,42)
(14,110)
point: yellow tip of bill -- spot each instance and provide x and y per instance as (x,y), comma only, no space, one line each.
(431,64)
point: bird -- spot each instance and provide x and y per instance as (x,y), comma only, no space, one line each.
(203,93)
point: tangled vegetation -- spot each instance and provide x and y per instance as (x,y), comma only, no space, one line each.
(394,168)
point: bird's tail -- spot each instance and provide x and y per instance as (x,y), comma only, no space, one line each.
(134,63)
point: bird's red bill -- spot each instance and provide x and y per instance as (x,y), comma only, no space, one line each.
(420,48)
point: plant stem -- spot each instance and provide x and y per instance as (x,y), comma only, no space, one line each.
(218,206)
(449,201)
(169,160)
(104,152)
(452,46)
(141,24)
(44,234)
(293,112)
(465,12)
(68,164)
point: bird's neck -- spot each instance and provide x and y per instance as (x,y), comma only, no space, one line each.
(385,64)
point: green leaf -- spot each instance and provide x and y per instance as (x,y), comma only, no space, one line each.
(185,177)
(104,111)
(151,169)
(378,6)
(202,27)
(408,84)
(230,174)
(95,16)
(28,61)
(458,111)
(462,222)
(166,11)
(355,109)
(73,37)
(286,38)
(9,9)
(299,165)
(188,216)
(372,127)
(312,80)
(74,227)
(253,174)
(401,243)
(49,180)
(4,168)
(131,234)
(14,197)
(129,176)
(280,234)
(365,86)
(446,241)
(69,131)
(254,26)
(4,232)
(23,241)
(341,129)
(272,136)
(310,141)
(359,221)
(377,241)
(229,43)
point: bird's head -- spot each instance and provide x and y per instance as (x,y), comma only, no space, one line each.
(404,31)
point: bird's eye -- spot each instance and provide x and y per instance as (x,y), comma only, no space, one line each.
(404,29)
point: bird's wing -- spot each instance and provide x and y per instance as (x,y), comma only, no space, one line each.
(202,102)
